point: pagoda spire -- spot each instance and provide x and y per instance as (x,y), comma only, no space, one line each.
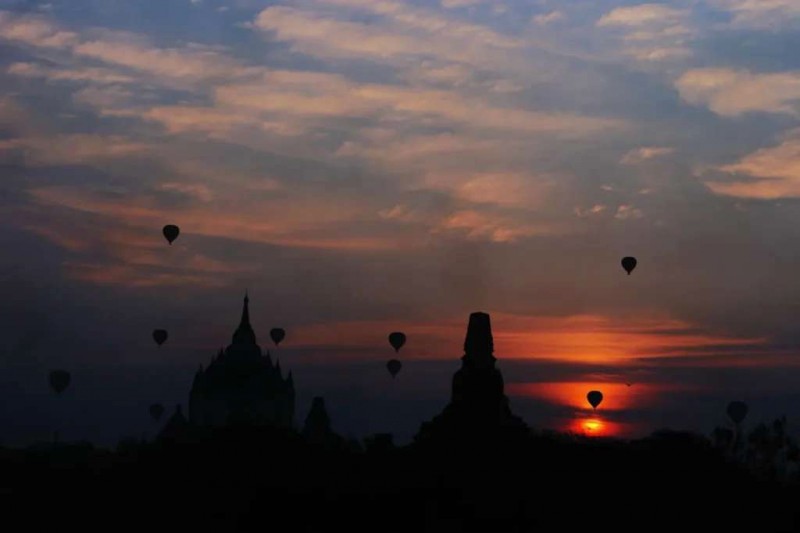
(244,334)
(479,344)
(246,309)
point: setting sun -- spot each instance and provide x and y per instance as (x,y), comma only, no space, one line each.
(590,425)
(593,426)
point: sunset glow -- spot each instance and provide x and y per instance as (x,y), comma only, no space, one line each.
(616,396)
(591,425)
(579,339)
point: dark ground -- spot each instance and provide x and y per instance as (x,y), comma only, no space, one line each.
(273,480)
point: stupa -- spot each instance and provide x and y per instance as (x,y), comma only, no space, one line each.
(478,408)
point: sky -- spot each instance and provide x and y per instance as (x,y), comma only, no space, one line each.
(368,166)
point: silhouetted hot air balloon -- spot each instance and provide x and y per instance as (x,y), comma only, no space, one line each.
(159,335)
(397,339)
(156,411)
(277,335)
(595,397)
(171,232)
(629,263)
(394,367)
(59,380)
(737,411)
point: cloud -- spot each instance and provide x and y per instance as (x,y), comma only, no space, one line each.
(730,92)
(303,222)
(305,94)
(651,32)
(641,15)
(772,172)
(628,212)
(34,30)
(73,148)
(435,73)
(580,338)
(91,74)
(199,191)
(545,19)
(107,251)
(402,33)
(181,64)
(178,65)
(453,4)
(592,211)
(761,14)
(504,189)
(639,155)
(402,213)
(219,122)
(477,225)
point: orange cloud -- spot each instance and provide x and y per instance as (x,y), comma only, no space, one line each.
(651,32)
(73,149)
(640,15)
(303,222)
(302,94)
(504,189)
(639,155)
(730,92)
(590,339)
(616,396)
(98,75)
(603,340)
(112,253)
(772,172)
(403,31)
(476,225)
(34,30)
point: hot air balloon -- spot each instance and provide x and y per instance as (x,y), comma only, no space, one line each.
(277,335)
(171,232)
(595,397)
(397,339)
(59,380)
(394,367)
(159,335)
(156,410)
(737,411)
(629,263)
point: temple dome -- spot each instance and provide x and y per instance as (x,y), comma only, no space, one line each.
(242,385)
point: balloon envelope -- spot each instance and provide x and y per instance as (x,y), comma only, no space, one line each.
(737,411)
(394,367)
(397,339)
(156,410)
(159,335)
(171,232)
(59,380)
(595,397)
(277,335)
(629,263)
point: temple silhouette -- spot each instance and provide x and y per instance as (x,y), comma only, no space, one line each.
(242,386)
(478,407)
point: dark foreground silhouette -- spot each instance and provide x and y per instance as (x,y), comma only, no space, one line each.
(237,464)
(273,479)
